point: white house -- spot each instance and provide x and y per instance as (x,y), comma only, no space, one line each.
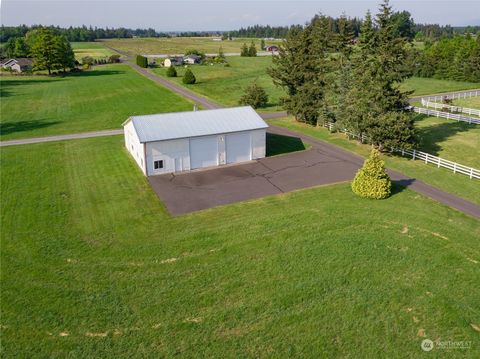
(18,65)
(173,61)
(183,141)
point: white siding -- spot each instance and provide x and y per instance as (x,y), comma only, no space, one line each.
(258,144)
(174,153)
(133,145)
(238,147)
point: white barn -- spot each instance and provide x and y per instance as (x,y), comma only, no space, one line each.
(183,141)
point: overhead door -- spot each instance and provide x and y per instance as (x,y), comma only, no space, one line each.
(238,147)
(203,152)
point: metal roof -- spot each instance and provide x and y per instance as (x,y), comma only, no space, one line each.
(169,126)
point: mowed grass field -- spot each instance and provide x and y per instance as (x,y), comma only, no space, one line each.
(226,85)
(451,140)
(442,137)
(427,86)
(178,45)
(99,99)
(93,266)
(472,102)
(92,49)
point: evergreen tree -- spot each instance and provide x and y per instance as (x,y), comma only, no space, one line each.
(372,181)
(262,44)
(221,54)
(254,96)
(189,77)
(142,61)
(171,71)
(244,50)
(252,50)
(301,68)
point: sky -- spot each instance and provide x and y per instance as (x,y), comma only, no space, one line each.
(183,15)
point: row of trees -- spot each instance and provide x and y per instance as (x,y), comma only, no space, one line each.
(250,51)
(49,51)
(456,58)
(358,87)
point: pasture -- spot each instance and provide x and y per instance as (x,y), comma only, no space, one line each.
(427,86)
(438,138)
(451,140)
(178,45)
(92,266)
(472,102)
(226,85)
(92,49)
(100,99)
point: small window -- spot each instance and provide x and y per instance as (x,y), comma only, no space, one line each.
(158,164)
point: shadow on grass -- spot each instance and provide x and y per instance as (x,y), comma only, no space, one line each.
(431,137)
(94,73)
(8,128)
(279,144)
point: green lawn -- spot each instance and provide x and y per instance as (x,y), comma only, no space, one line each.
(427,86)
(178,45)
(93,100)
(92,49)
(441,178)
(226,85)
(92,266)
(472,102)
(451,140)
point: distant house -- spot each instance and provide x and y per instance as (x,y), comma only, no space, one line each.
(173,61)
(192,59)
(18,65)
(271,48)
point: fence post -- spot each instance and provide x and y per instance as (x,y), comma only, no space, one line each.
(426,158)
(455,167)
(414,153)
(439,162)
(471,173)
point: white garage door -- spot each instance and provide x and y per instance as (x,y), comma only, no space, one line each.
(203,152)
(238,147)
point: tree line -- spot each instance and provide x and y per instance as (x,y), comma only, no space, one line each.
(456,58)
(327,78)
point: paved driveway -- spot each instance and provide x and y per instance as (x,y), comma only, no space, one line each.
(188,192)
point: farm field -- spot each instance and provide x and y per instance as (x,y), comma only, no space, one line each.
(451,140)
(92,266)
(427,86)
(226,85)
(92,49)
(178,45)
(100,99)
(441,178)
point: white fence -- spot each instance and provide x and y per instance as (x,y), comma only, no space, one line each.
(442,106)
(452,96)
(422,156)
(450,116)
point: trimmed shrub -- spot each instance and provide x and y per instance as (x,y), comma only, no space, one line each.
(254,96)
(372,181)
(114,58)
(142,61)
(189,77)
(171,71)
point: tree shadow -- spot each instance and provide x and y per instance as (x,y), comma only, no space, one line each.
(279,144)
(7,128)
(431,137)
(398,186)
(94,73)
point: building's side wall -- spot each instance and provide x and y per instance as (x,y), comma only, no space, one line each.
(258,143)
(175,155)
(133,145)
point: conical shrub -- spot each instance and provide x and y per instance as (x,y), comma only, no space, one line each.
(189,77)
(171,71)
(372,181)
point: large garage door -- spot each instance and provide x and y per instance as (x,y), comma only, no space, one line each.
(203,152)
(238,147)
